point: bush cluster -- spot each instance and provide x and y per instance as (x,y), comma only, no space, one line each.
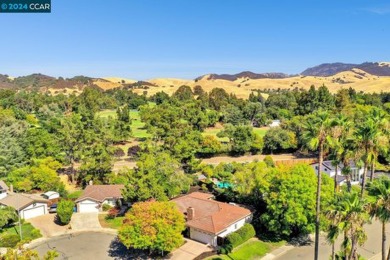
(237,238)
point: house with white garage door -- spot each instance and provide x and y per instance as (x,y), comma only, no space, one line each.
(208,220)
(27,205)
(94,196)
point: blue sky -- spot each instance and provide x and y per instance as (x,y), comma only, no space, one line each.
(144,39)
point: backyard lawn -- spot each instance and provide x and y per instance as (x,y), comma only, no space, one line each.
(114,223)
(252,249)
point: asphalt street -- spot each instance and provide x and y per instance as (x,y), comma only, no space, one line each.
(370,248)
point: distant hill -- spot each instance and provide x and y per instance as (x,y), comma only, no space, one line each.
(367,77)
(244,74)
(330,69)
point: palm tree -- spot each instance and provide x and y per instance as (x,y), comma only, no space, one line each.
(348,218)
(338,142)
(380,208)
(315,135)
(379,117)
(369,136)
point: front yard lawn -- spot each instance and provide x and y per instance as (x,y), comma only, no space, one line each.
(114,223)
(252,249)
(28,232)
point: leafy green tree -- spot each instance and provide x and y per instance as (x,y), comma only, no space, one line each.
(218,98)
(316,133)
(12,153)
(380,207)
(122,129)
(294,189)
(157,176)
(40,175)
(7,216)
(40,144)
(184,93)
(241,137)
(233,115)
(153,226)
(65,211)
(210,145)
(278,139)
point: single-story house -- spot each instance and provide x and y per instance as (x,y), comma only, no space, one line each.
(27,205)
(94,196)
(208,220)
(3,189)
(330,169)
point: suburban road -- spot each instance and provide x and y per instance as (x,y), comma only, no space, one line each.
(371,247)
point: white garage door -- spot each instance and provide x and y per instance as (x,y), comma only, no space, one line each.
(87,207)
(34,212)
(201,237)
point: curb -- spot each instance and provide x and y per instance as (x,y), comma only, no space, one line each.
(277,252)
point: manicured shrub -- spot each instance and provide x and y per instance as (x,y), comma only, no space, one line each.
(9,240)
(240,236)
(65,211)
(246,232)
(235,239)
(106,207)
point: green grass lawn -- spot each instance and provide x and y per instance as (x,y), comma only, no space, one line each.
(252,249)
(214,132)
(115,223)
(136,125)
(260,131)
(28,231)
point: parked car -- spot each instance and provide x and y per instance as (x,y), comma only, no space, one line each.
(53,208)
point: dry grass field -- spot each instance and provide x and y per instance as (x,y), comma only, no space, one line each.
(357,79)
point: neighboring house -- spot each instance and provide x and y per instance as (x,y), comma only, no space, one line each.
(330,169)
(208,220)
(51,195)
(275,123)
(3,190)
(27,205)
(94,196)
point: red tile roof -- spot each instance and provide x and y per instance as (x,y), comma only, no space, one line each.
(100,193)
(210,216)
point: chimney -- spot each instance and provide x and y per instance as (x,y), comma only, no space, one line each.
(190,213)
(91,182)
(11,188)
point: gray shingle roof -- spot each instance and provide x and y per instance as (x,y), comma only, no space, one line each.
(19,201)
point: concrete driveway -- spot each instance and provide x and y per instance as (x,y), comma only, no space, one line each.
(48,226)
(189,250)
(85,221)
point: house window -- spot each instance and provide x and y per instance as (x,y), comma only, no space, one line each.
(316,167)
(235,226)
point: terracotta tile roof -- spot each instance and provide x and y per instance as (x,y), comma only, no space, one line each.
(3,186)
(19,201)
(101,192)
(210,216)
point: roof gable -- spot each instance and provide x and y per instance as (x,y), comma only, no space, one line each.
(19,201)
(100,193)
(3,186)
(210,215)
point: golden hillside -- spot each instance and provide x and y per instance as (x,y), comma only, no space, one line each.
(242,87)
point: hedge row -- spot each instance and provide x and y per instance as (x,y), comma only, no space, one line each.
(237,238)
